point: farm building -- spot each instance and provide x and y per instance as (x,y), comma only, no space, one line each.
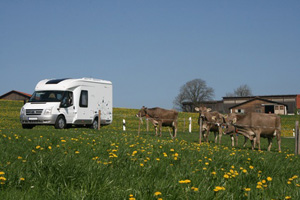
(280,104)
(15,95)
(260,106)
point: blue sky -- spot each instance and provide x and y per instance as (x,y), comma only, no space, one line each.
(149,49)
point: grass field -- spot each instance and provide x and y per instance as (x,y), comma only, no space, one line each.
(80,163)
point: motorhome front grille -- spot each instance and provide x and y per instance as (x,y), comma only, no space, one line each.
(34,111)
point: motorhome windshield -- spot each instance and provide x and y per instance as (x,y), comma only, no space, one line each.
(47,96)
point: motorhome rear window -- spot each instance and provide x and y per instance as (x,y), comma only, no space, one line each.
(55,81)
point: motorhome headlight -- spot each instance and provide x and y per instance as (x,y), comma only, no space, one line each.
(48,111)
(22,111)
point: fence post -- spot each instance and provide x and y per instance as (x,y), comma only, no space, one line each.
(297,140)
(200,130)
(99,119)
(190,124)
(124,125)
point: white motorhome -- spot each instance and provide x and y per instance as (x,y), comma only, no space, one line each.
(67,102)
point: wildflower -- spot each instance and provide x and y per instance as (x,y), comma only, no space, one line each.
(77,152)
(218,188)
(251,167)
(22,179)
(157,159)
(213,173)
(288,197)
(206,163)
(49,147)
(185,181)
(226,176)
(247,189)
(63,141)
(131,197)
(157,193)
(2,173)
(142,165)
(172,150)
(194,189)
(269,179)
(37,147)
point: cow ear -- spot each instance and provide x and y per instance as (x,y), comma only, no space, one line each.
(213,118)
(197,109)
(208,109)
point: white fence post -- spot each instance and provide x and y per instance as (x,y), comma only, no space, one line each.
(190,124)
(124,125)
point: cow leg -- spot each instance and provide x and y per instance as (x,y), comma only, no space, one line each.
(155,130)
(270,143)
(216,137)
(258,140)
(207,133)
(245,141)
(174,129)
(220,134)
(232,140)
(278,137)
(252,144)
(160,129)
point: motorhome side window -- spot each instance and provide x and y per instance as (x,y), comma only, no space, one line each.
(67,100)
(83,102)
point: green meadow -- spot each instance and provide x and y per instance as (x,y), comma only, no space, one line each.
(81,163)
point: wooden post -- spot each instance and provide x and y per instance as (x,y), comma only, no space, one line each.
(200,130)
(297,140)
(99,119)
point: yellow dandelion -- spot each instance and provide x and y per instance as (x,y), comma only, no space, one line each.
(22,179)
(157,193)
(269,179)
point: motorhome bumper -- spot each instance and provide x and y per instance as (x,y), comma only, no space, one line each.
(40,119)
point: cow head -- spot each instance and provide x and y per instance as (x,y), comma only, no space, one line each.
(142,113)
(229,122)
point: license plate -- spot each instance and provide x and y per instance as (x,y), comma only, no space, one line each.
(32,118)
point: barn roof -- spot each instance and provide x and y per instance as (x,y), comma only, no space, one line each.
(258,98)
(17,92)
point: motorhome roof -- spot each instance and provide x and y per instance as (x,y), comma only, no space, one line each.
(67,83)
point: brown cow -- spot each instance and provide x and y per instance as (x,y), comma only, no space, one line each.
(254,126)
(160,117)
(212,121)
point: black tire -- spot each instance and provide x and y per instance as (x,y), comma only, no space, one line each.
(27,126)
(95,124)
(60,122)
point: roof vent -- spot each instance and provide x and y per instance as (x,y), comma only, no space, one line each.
(56,81)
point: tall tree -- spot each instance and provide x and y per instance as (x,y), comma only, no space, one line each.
(192,93)
(241,91)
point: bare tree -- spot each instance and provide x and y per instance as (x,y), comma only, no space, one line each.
(242,91)
(191,94)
